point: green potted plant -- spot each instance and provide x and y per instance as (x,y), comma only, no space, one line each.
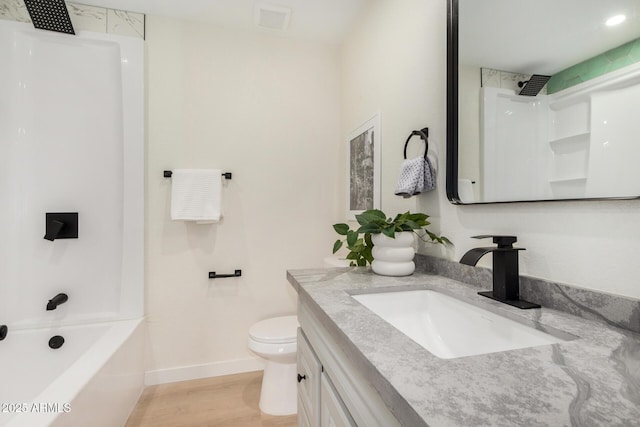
(387,243)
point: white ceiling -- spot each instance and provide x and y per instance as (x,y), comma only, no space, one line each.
(322,20)
(528,36)
(541,36)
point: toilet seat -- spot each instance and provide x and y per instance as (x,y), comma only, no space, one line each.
(277,330)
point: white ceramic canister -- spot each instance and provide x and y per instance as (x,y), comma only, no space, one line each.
(393,257)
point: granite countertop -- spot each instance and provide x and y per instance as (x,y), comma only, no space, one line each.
(593,380)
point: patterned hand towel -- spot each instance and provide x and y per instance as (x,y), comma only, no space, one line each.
(416,176)
(411,180)
(429,176)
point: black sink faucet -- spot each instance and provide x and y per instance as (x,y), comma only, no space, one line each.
(506,279)
(56,301)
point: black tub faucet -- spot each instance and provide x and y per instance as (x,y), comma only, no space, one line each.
(61,225)
(56,301)
(506,279)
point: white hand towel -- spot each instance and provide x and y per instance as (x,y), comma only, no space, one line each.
(196,195)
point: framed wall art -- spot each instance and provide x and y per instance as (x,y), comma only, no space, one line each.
(363,157)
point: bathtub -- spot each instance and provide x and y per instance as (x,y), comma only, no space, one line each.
(94,379)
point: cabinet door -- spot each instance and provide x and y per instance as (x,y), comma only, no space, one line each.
(309,370)
(332,411)
(303,418)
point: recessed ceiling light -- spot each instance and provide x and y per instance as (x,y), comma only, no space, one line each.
(615,20)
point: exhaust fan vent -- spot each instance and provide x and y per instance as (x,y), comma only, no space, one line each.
(272,17)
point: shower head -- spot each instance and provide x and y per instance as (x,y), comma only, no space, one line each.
(534,85)
(50,15)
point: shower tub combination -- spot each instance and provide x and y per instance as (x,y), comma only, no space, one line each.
(71,140)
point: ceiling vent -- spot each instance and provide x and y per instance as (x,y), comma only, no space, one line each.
(272,17)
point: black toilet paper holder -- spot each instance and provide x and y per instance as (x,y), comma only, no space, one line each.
(214,275)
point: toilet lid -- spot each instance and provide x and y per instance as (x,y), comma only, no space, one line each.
(276,330)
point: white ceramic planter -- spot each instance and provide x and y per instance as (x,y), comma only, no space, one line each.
(393,257)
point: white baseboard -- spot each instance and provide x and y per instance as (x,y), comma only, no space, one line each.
(194,372)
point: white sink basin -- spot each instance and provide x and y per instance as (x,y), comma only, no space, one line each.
(450,328)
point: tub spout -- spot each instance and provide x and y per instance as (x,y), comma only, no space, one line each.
(56,301)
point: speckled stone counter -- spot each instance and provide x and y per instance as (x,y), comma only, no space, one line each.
(593,380)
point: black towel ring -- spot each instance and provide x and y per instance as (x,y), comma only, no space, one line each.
(424,135)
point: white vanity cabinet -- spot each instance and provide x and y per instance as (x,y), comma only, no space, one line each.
(309,370)
(318,403)
(332,410)
(332,390)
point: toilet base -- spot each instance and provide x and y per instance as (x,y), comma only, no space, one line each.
(278,395)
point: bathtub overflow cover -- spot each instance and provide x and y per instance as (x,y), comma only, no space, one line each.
(56,342)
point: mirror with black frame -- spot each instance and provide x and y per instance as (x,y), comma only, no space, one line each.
(543,100)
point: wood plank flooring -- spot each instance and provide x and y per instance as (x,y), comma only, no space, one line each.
(229,401)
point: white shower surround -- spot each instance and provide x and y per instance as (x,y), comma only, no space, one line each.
(72,140)
(61,152)
(577,143)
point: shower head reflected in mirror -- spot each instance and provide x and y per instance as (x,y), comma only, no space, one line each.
(51,15)
(534,85)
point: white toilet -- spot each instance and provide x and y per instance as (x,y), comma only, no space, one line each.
(275,340)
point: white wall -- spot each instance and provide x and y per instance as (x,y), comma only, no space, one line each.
(267,110)
(277,114)
(590,244)
(382,72)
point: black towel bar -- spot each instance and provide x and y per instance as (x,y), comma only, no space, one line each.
(424,135)
(226,175)
(214,275)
